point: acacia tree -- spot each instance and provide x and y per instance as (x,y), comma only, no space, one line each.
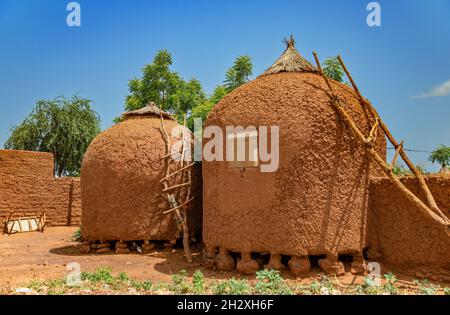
(64,127)
(202,109)
(239,73)
(442,156)
(236,75)
(161,85)
(332,68)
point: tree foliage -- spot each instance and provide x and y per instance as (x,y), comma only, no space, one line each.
(441,155)
(161,85)
(332,68)
(236,75)
(64,127)
(164,87)
(239,73)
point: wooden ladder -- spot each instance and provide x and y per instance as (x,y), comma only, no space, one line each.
(174,194)
(430,208)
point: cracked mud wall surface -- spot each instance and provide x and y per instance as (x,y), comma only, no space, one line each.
(120,184)
(399,233)
(27,187)
(316,202)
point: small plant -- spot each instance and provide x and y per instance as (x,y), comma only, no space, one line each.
(198,282)
(315,287)
(122,276)
(232,287)
(179,283)
(145,285)
(56,287)
(270,282)
(424,287)
(400,170)
(36,285)
(447,291)
(370,287)
(102,275)
(389,286)
(326,284)
(76,237)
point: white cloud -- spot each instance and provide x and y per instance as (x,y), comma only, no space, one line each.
(438,91)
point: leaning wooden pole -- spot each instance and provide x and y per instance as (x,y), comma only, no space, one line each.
(181,219)
(364,102)
(374,154)
(187,249)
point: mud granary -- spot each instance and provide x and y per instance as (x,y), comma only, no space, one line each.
(121,174)
(324,201)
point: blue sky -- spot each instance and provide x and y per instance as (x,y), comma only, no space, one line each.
(41,57)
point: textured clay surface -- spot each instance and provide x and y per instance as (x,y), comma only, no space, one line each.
(399,234)
(316,203)
(13,162)
(120,185)
(27,193)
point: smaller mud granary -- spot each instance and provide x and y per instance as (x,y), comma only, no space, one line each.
(331,144)
(123,197)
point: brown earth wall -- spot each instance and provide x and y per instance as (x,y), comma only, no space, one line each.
(399,234)
(26,163)
(27,187)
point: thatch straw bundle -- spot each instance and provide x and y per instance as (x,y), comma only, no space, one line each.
(290,61)
(150,110)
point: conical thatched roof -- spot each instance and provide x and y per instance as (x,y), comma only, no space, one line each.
(150,110)
(290,61)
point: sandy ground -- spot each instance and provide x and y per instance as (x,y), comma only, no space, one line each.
(41,256)
(28,256)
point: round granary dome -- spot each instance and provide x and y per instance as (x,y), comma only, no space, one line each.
(120,182)
(316,201)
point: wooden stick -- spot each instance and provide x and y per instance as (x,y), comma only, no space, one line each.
(178,171)
(397,151)
(374,154)
(186,247)
(338,107)
(364,102)
(179,206)
(166,156)
(373,132)
(176,186)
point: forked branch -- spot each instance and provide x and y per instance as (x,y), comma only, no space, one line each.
(335,101)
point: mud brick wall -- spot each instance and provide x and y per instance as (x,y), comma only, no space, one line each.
(399,234)
(26,193)
(26,163)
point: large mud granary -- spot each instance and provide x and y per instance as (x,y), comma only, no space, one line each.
(324,198)
(316,202)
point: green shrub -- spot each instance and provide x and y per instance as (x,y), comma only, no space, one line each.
(389,286)
(102,274)
(270,282)
(179,283)
(198,282)
(232,287)
(76,237)
(424,287)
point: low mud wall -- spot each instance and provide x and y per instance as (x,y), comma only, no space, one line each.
(26,163)
(27,187)
(400,234)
